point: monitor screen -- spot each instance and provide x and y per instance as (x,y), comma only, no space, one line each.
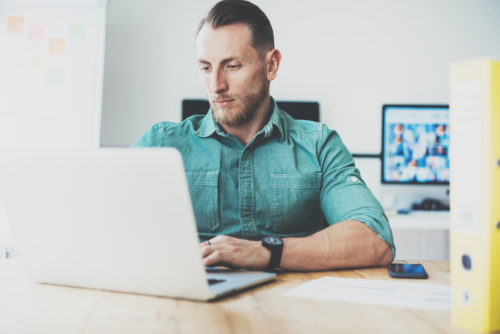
(415,142)
(306,110)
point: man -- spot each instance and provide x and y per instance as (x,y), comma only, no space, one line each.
(255,173)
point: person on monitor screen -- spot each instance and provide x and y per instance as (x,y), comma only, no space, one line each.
(268,191)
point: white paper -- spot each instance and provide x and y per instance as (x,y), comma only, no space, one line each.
(378,292)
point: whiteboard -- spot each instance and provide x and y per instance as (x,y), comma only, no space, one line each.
(51,69)
(51,65)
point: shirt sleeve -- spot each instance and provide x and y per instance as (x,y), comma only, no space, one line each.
(344,194)
(148,139)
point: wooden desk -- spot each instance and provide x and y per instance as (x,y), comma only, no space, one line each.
(51,309)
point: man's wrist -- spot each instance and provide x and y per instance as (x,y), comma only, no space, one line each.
(275,246)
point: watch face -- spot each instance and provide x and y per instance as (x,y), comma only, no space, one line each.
(273,240)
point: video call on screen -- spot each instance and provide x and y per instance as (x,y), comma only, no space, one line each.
(416,144)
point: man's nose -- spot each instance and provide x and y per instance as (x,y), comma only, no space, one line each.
(218,82)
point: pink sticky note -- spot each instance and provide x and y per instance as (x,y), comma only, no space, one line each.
(15,25)
(57,45)
(36,33)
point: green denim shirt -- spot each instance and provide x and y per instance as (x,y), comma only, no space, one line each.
(293,178)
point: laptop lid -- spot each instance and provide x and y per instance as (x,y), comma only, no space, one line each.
(115,219)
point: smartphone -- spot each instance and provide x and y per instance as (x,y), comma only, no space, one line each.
(407,270)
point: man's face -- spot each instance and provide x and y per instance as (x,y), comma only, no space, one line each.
(232,72)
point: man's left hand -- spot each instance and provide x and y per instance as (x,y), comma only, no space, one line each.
(234,252)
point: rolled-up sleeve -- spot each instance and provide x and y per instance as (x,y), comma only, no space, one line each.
(344,194)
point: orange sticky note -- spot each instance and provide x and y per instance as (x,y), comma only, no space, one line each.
(35,33)
(15,25)
(57,45)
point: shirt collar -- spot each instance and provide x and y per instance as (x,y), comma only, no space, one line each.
(209,126)
(275,121)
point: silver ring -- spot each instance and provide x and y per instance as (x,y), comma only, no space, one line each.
(209,243)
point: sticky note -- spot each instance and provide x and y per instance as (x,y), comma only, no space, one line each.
(57,45)
(39,62)
(36,33)
(77,31)
(15,25)
(54,77)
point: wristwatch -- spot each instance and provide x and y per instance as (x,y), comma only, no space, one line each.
(275,246)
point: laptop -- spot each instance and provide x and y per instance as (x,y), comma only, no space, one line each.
(112,219)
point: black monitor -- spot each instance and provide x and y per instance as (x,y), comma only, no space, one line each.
(297,109)
(415,144)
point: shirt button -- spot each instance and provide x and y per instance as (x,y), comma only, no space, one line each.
(353,179)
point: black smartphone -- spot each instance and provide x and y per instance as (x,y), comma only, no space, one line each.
(407,270)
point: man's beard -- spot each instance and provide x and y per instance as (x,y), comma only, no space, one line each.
(241,113)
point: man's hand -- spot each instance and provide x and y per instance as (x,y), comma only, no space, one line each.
(235,252)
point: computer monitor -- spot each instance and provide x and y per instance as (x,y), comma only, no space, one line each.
(415,144)
(306,110)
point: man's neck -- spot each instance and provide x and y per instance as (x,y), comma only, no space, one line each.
(247,131)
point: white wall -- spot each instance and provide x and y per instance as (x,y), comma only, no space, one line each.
(351,56)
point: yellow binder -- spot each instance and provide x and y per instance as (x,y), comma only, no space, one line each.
(475,194)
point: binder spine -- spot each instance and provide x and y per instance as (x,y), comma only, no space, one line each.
(494,321)
(475,194)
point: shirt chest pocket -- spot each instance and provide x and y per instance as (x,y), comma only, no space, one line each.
(203,187)
(294,198)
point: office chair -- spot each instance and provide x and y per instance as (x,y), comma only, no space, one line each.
(297,109)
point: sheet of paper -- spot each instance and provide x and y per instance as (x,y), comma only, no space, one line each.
(378,292)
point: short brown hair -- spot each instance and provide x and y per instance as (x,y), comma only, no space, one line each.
(228,12)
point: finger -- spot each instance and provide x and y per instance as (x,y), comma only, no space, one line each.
(212,259)
(206,250)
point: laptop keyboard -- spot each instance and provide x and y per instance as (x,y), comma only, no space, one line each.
(212,281)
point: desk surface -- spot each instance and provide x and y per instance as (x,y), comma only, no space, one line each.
(39,308)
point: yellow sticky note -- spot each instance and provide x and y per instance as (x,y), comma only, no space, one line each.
(57,45)
(15,25)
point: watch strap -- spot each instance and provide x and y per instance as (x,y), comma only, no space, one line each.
(276,252)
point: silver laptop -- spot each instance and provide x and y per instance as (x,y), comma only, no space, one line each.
(113,219)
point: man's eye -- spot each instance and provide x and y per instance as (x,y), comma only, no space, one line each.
(204,68)
(232,67)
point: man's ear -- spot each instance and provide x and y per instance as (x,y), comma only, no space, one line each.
(273,59)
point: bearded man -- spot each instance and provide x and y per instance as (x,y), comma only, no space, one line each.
(268,191)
